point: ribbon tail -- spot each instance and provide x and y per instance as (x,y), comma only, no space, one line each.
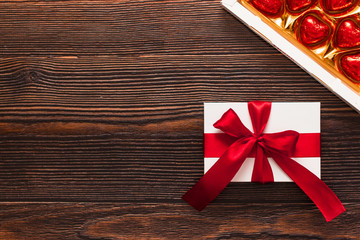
(262,172)
(325,199)
(219,175)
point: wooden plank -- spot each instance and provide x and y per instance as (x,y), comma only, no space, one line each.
(95,221)
(130,128)
(53,28)
(101,124)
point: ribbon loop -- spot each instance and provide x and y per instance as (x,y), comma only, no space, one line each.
(284,142)
(231,124)
(259,113)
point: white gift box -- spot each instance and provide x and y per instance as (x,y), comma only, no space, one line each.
(330,79)
(303,117)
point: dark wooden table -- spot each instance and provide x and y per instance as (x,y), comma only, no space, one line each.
(101,122)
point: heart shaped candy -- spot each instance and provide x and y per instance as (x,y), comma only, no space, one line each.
(298,6)
(349,65)
(347,33)
(337,7)
(313,29)
(270,8)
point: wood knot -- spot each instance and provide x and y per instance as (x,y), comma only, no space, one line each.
(32,76)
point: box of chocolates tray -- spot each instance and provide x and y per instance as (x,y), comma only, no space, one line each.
(321,36)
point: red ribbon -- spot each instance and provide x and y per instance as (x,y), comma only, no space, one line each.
(280,146)
(215,144)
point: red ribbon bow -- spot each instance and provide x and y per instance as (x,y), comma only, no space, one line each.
(280,146)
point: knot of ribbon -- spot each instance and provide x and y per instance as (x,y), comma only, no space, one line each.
(280,146)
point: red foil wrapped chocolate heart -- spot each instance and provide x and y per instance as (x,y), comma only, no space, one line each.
(270,8)
(349,65)
(338,7)
(298,6)
(347,33)
(313,29)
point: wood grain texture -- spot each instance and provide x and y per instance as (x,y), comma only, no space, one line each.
(113,221)
(101,122)
(122,28)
